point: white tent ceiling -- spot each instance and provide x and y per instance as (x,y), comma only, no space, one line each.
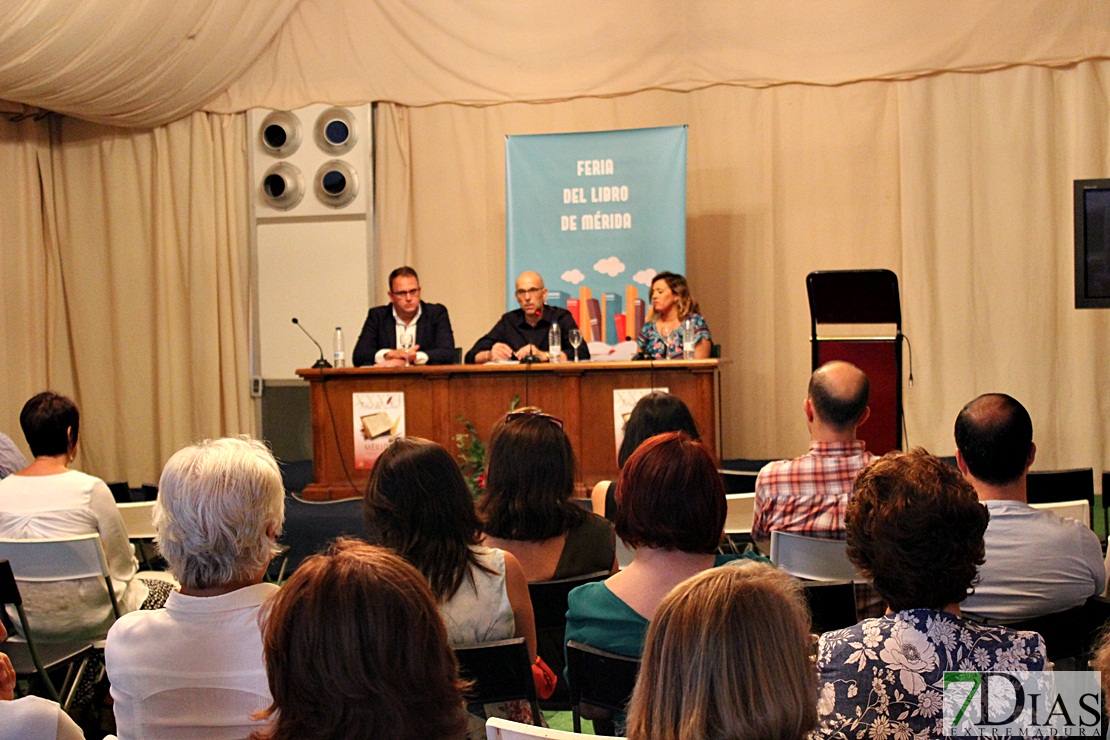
(148,62)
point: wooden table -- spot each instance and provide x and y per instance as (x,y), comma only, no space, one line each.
(581,394)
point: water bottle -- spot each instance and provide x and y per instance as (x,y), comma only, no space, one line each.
(554,343)
(689,329)
(338,354)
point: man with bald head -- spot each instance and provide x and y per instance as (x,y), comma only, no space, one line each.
(1036,562)
(809,494)
(522,333)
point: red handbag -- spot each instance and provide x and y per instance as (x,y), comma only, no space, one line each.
(544,677)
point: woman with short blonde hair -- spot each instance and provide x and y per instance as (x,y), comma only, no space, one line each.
(726,657)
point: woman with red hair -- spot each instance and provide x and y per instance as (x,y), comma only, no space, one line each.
(671,509)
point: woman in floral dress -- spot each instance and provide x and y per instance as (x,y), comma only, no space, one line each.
(915,529)
(662,336)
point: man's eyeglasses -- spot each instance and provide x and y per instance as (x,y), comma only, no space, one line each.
(514,415)
(521,292)
(405,293)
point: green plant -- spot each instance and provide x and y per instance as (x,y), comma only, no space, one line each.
(472,453)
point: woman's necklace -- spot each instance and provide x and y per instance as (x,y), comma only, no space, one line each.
(666,327)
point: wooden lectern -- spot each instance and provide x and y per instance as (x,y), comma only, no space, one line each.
(845,297)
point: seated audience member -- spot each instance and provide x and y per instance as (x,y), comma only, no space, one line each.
(356,649)
(45,500)
(655,413)
(11,459)
(32,717)
(523,332)
(428,324)
(809,494)
(915,529)
(418,505)
(671,508)
(1036,562)
(526,509)
(195,668)
(727,656)
(663,334)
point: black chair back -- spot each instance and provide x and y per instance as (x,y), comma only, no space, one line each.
(549,605)
(121,492)
(599,680)
(738,481)
(311,525)
(832,604)
(501,671)
(1052,486)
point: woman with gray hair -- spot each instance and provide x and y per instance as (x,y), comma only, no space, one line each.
(196,667)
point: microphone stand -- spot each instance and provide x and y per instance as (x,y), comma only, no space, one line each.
(321,363)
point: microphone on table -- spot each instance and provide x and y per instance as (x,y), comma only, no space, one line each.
(321,363)
(532,357)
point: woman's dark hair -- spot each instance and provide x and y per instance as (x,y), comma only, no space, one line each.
(529,480)
(915,529)
(670,496)
(50,423)
(355,647)
(418,505)
(655,413)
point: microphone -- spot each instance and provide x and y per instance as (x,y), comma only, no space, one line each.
(321,363)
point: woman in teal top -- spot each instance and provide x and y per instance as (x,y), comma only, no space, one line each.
(671,508)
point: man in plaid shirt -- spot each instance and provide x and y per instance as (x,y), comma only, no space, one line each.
(809,493)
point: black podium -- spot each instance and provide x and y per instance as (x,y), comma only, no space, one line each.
(853,297)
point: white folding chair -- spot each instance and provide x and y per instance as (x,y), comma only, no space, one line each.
(503,729)
(741,512)
(30,659)
(138,520)
(813,558)
(1079,510)
(59,559)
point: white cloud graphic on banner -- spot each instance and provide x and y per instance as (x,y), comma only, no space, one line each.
(643,277)
(610,266)
(574,277)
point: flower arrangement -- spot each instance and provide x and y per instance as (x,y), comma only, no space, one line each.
(472,453)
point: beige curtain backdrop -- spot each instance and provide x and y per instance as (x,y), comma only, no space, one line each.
(130,283)
(33,327)
(960,183)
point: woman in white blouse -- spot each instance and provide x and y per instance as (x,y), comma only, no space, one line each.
(46,500)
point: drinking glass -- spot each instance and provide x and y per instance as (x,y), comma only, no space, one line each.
(575,338)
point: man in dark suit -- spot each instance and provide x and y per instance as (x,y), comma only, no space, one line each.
(406,314)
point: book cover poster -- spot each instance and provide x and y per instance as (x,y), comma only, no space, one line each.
(597,215)
(378,418)
(624,400)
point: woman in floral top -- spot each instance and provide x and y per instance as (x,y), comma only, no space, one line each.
(915,529)
(663,335)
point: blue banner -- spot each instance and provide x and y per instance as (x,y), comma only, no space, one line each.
(597,214)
